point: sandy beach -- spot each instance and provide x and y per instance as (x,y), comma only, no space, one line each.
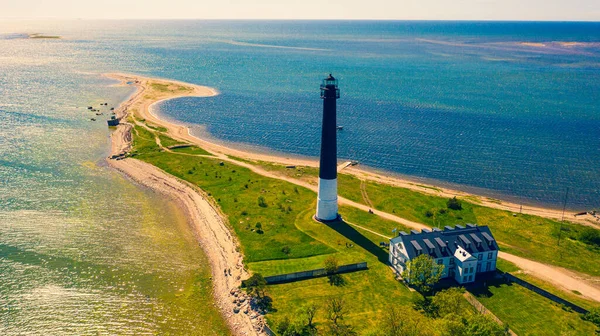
(182,133)
(213,232)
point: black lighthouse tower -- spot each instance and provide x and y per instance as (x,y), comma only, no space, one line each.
(327,207)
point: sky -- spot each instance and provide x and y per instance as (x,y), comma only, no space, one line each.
(553,10)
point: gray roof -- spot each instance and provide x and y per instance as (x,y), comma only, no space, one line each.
(443,243)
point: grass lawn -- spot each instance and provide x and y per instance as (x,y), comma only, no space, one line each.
(530,314)
(573,297)
(168,141)
(537,242)
(367,294)
(263,230)
(528,236)
(287,221)
(285,211)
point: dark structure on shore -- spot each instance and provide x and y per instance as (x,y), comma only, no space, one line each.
(327,207)
(113,121)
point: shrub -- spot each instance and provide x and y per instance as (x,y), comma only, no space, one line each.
(593,316)
(286,249)
(258,227)
(428,214)
(256,285)
(454,204)
(331,265)
(590,236)
(261,202)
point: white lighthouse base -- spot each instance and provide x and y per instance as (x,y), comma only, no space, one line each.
(327,205)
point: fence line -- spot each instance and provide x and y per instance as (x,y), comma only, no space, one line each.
(481,308)
(291,277)
(268,330)
(544,293)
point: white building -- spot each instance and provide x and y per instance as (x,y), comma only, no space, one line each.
(464,251)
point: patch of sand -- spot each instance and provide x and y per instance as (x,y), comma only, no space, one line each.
(220,246)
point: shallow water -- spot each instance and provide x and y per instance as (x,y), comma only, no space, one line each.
(83,250)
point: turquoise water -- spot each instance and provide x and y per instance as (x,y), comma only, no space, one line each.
(464,104)
(84,251)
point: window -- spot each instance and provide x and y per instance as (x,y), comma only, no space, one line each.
(478,267)
(440,261)
(451,261)
(479,256)
(488,266)
(490,255)
(470,278)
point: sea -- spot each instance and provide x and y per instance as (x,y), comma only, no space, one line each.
(508,110)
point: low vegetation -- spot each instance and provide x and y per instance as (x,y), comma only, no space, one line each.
(277,234)
(568,245)
(529,313)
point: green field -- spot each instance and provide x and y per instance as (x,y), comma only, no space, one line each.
(273,221)
(539,241)
(573,297)
(530,313)
(528,236)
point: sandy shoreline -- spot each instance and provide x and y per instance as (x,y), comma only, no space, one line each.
(221,249)
(212,231)
(182,132)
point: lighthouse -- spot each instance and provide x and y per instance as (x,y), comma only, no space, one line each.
(327,206)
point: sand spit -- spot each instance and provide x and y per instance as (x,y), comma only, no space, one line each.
(182,133)
(222,251)
(212,232)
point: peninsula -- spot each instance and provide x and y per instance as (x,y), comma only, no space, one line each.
(239,242)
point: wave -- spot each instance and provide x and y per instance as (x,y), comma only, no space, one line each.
(259,45)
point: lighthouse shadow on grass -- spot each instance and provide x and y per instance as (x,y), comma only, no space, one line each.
(358,239)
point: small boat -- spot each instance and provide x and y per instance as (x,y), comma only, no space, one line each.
(339,128)
(90,107)
(93,119)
